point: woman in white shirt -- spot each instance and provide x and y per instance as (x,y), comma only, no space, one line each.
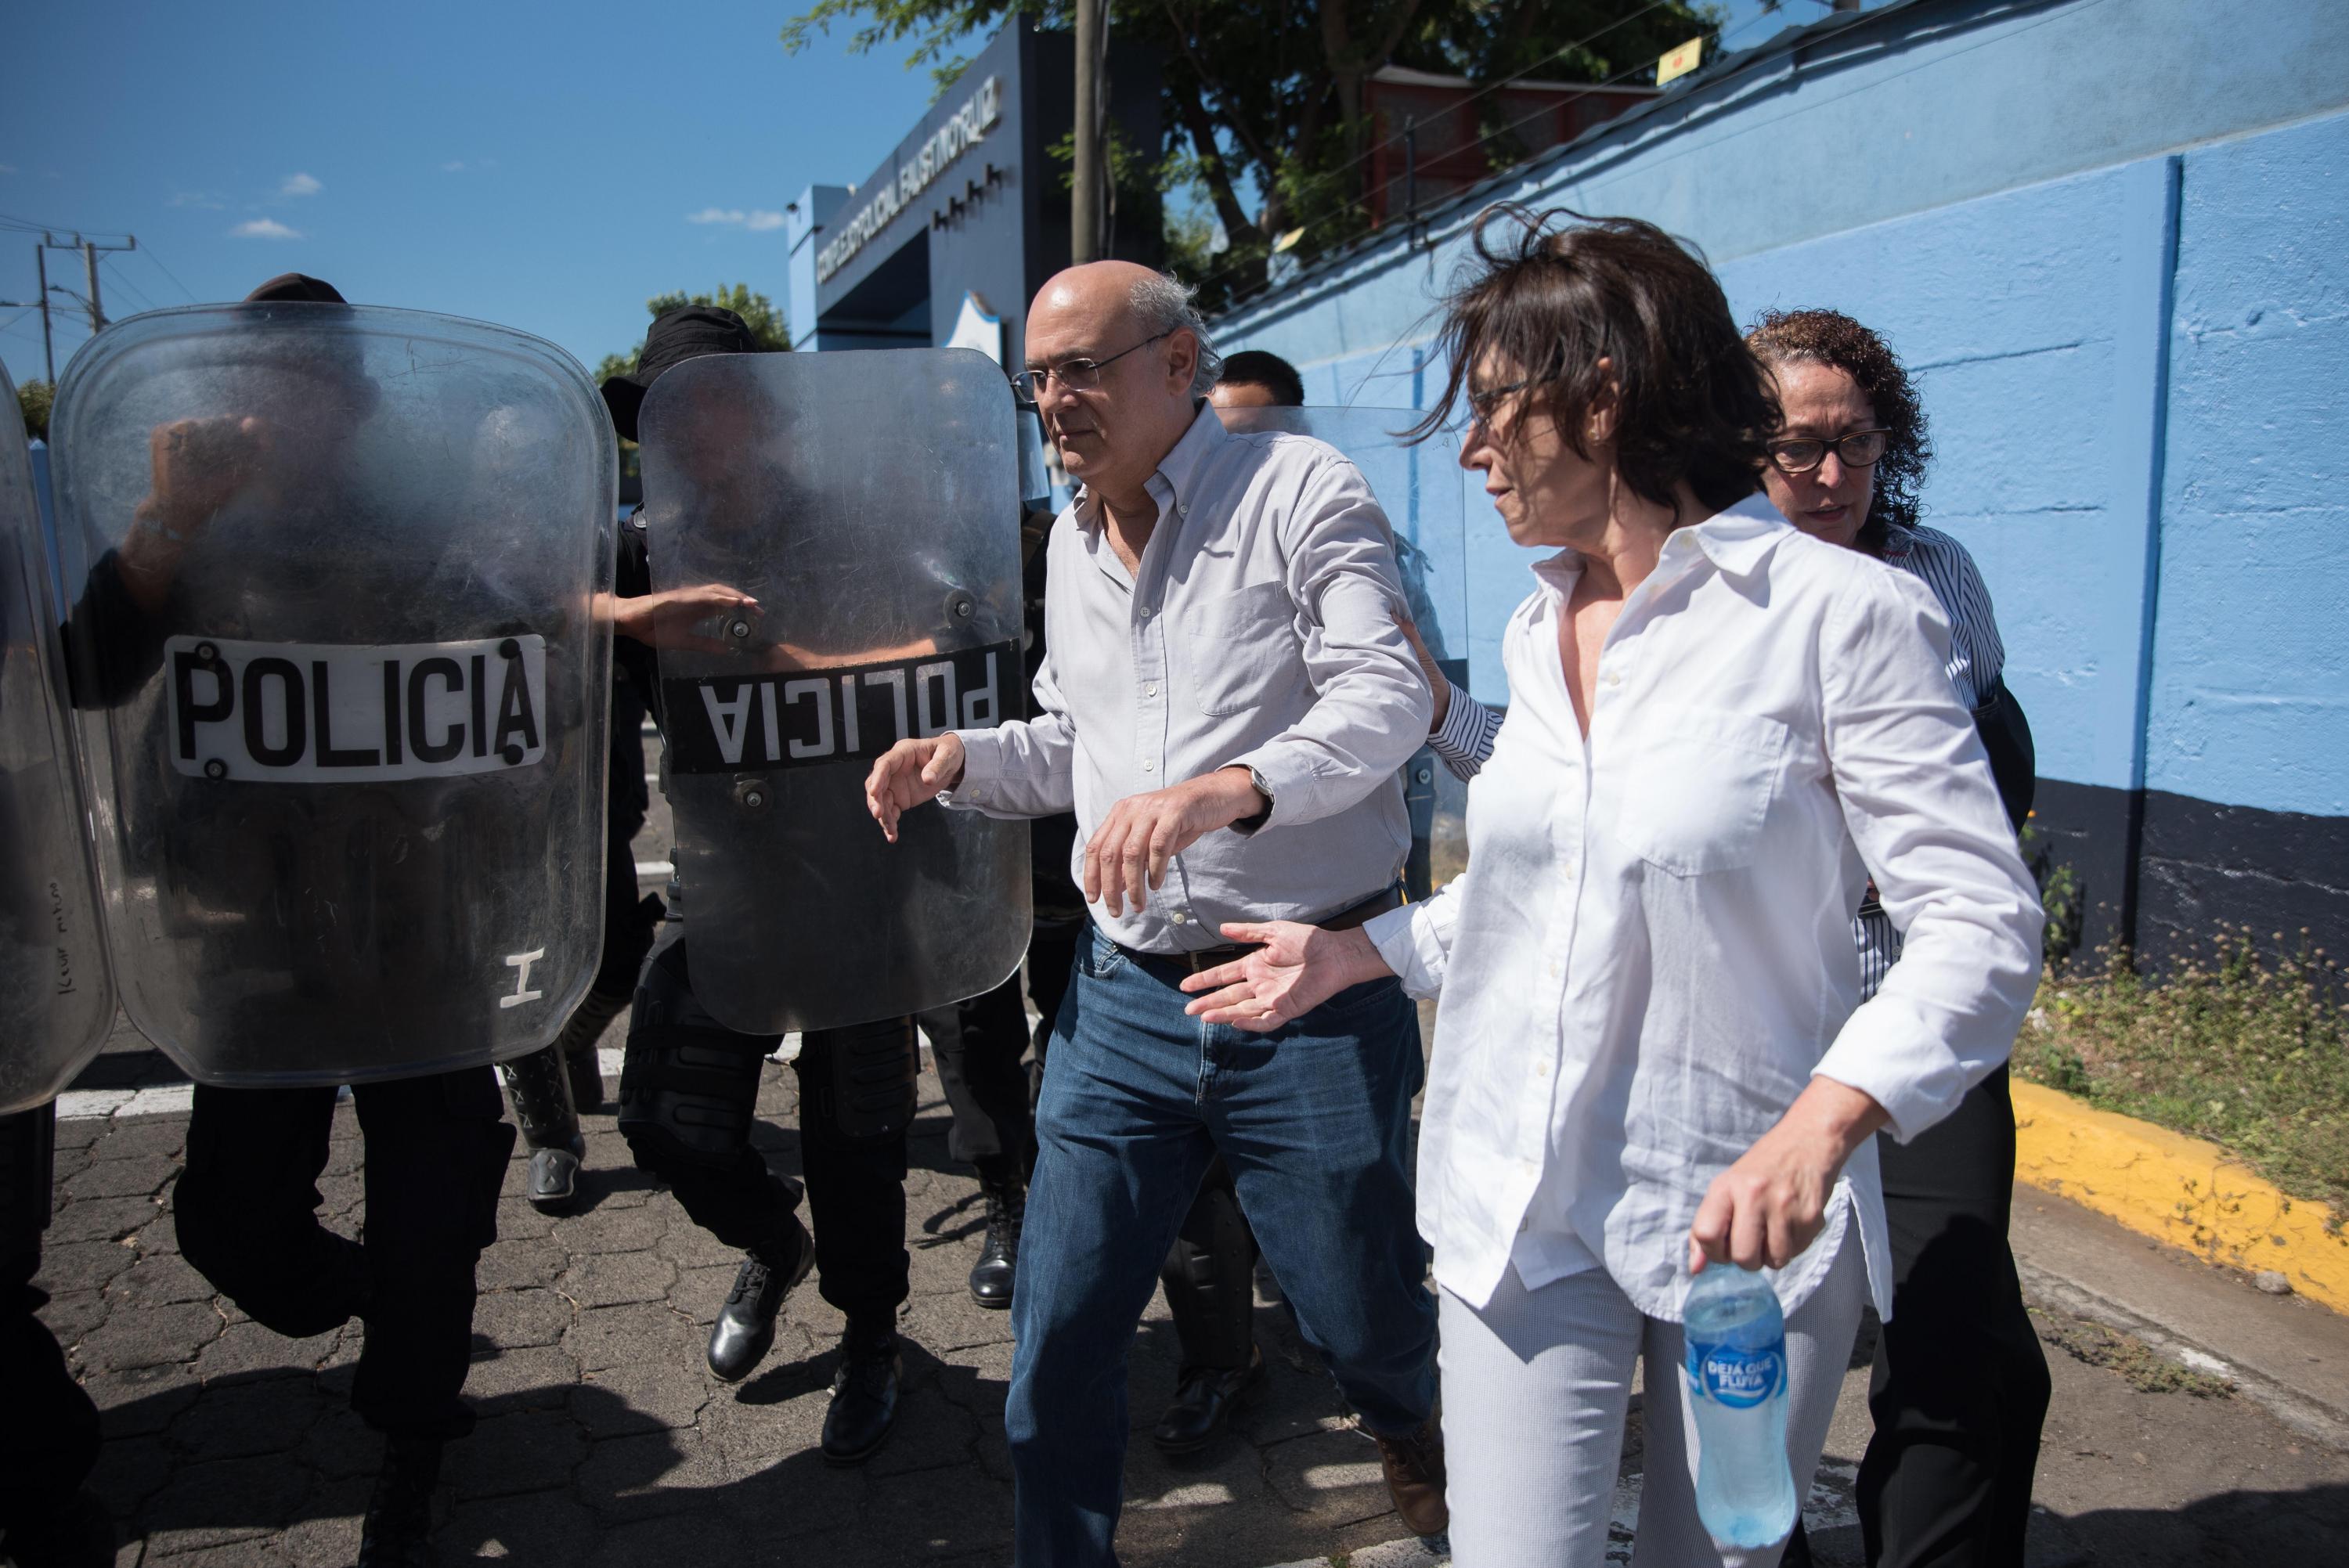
(1650,1051)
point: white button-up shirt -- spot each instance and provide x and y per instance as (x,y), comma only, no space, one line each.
(1257,630)
(1650,955)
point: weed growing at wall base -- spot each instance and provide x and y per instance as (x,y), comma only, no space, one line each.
(2250,1052)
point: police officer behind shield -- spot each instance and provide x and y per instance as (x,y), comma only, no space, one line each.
(436,1144)
(1226,702)
(689,1085)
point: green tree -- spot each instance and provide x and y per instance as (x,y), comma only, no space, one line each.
(757,311)
(1271,94)
(33,400)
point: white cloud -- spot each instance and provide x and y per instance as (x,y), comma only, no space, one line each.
(454,166)
(264,229)
(204,198)
(300,185)
(758,220)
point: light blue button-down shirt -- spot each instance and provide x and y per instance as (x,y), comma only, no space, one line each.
(1257,631)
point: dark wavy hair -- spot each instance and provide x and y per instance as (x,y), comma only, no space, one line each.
(1553,292)
(1831,338)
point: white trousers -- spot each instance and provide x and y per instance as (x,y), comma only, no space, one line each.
(1536,1387)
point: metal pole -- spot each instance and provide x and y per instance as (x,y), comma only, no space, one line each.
(48,346)
(1085,207)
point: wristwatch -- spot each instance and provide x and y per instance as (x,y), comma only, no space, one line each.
(1263,788)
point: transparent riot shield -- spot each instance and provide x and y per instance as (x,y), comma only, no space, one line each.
(1425,494)
(342,663)
(56,996)
(869,503)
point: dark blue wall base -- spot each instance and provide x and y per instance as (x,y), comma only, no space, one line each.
(2163,873)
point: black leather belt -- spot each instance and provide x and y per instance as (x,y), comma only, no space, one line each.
(1346,919)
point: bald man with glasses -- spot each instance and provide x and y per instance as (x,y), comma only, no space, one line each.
(1226,702)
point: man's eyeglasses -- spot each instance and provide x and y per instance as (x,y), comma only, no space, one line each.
(1076,375)
(1801,454)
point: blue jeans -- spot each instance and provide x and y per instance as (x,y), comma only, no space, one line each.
(1314,1121)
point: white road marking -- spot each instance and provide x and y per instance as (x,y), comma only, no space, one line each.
(160,1099)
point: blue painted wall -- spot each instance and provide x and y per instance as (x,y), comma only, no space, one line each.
(2250,651)
(2112,236)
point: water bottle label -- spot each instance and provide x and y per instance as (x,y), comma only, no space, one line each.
(1737,1377)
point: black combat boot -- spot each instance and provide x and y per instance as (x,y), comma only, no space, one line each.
(398,1530)
(1204,1402)
(540,1091)
(745,1329)
(1007,1207)
(863,1392)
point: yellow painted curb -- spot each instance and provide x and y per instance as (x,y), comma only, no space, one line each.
(2177,1190)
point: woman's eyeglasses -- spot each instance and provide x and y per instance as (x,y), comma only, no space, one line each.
(1801,454)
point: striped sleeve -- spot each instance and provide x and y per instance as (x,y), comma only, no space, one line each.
(1977,657)
(1464,738)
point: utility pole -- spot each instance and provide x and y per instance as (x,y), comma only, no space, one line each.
(91,302)
(49,337)
(1091,172)
(40,301)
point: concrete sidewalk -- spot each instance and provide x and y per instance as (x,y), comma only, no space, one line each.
(605,1441)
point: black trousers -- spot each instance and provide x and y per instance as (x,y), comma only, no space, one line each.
(980,1045)
(246,1212)
(48,1439)
(856,1182)
(1959,1386)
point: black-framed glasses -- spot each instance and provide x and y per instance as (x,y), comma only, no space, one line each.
(1076,375)
(1801,454)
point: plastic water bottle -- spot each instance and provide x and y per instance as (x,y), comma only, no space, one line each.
(1735,1340)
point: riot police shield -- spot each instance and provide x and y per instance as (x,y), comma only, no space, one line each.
(341,657)
(868,504)
(56,997)
(1426,496)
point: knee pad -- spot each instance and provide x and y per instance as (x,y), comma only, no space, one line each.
(864,1076)
(689,1085)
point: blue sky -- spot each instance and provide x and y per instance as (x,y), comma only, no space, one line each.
(535,164)
(546,166)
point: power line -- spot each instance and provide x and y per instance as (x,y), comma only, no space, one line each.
(148,251)
(135,292)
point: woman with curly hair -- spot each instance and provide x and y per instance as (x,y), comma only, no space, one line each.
(1650,1051)
(1960,1387)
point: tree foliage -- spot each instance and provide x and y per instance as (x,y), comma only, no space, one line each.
(757,311)
(1270,96)
(33,400)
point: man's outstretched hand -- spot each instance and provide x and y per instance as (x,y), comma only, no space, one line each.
(1128,854)
(909,773)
